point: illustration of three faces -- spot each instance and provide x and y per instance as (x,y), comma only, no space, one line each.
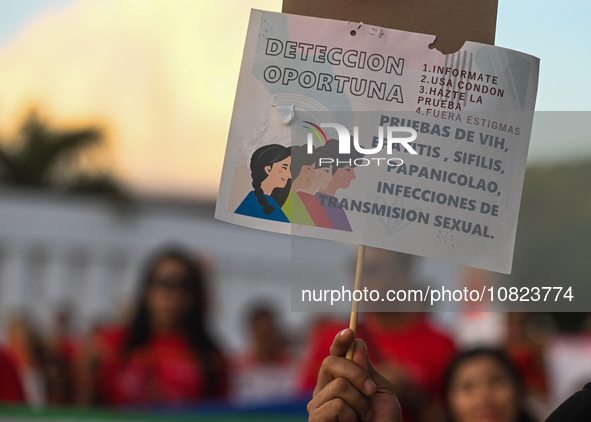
(292,186)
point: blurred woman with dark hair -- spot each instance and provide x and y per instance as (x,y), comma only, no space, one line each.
(165,355)
(483,385)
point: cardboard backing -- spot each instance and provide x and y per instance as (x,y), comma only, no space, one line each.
(452,21)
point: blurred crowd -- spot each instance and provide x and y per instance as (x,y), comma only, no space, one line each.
(164,355)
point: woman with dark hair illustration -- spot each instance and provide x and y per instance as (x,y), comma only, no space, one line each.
(302,174)
(165,354)
(321,180)
(270,168)
(342,175)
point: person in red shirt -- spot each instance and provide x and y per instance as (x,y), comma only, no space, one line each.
(403,346)
(61,349)
(26,350)
(11,390)
(528,354)
(265,371)
(165,355)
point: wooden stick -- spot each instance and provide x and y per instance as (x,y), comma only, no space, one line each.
(355,306)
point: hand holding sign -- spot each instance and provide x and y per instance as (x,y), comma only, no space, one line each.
(349,389)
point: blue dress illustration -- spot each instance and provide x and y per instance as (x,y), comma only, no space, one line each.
(250,206)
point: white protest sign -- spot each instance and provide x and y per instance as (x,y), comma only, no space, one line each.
(354,133)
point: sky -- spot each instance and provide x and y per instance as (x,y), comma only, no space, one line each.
(16,15)
(159,77)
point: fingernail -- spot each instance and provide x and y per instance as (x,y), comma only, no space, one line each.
(369,415)
(370,386)
(342,333)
